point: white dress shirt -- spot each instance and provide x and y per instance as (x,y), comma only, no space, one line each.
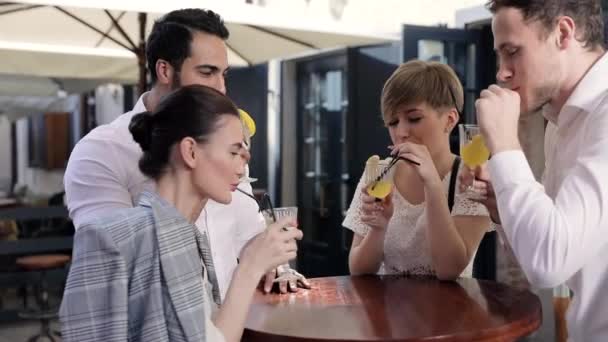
(559,231)
(103,175)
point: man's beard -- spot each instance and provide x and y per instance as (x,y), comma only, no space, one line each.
(546,90)
(542,96)
(176,83)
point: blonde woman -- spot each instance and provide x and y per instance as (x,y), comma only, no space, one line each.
(414,231)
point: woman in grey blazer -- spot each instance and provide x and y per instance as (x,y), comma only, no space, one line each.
(145,273)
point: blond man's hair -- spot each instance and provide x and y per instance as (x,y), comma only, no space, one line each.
(415,82)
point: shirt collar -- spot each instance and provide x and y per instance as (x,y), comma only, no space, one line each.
(587,92)
(140,106)
(550,113)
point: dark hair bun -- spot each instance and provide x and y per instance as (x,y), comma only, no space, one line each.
(190,111)
(141,129)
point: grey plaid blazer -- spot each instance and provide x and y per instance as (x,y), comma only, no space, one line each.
(138,276)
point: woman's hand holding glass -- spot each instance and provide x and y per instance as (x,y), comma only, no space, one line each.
(273,247)
(376,196)
(287,278)
(477,181)
(376,212)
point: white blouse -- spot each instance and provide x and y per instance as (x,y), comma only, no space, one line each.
(406,249)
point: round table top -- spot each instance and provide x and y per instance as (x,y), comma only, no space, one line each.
(394,308)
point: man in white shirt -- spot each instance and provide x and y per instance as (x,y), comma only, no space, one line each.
(184,47)
(552,56)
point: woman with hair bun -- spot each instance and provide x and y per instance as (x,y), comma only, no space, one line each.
(145,273)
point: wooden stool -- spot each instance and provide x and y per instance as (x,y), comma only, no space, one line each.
(42,263)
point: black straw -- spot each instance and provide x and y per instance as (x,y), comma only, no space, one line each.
(388,167)
(265,200)
(250,196)
(268,201)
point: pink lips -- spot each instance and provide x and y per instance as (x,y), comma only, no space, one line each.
(233,186)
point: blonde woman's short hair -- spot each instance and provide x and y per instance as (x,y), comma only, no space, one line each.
(416,81)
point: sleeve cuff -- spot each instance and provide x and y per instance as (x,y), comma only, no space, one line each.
(509,168)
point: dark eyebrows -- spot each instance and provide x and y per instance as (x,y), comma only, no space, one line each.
(212,68)
(208,67)
(407,112)
(504,46)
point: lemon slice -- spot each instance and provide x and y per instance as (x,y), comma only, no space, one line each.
(248,121)
(380,189)
(371,169)
(373,159)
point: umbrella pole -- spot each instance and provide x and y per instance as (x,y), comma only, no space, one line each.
(141,53)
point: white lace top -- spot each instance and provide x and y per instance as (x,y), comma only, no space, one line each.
(406,249)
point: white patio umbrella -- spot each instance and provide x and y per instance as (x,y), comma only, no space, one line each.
(104,39)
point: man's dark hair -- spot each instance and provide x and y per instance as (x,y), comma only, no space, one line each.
(587,15)
(171,36)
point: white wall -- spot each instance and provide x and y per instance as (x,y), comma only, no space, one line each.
(472,16)
(382,16)
(109,103)
(273,122)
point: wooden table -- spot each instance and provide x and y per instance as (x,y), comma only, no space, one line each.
(394,308)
